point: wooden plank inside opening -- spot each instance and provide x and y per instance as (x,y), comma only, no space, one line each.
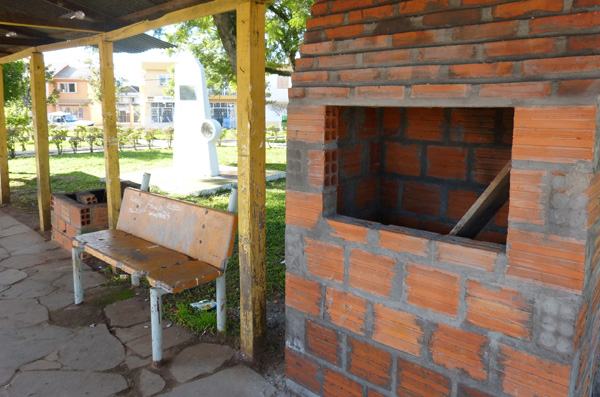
(251,175)
(486,206)
(4,182)
(40,136)
(109,121)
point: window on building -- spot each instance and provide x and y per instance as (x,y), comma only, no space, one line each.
(221,111)
(74,110)
(162,112)
(163,80)
(67,87)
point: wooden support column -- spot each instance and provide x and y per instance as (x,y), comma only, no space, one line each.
(251,174)
(40,136)
(111,143)
(4,182)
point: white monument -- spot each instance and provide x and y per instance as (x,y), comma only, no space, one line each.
(194,150)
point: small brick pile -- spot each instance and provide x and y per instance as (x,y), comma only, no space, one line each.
(400,115)
(71,218)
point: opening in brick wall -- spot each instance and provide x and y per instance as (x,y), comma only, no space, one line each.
(421,168)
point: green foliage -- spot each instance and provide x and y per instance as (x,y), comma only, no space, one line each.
(123,136)
(58,136)
(194,319)
(76,138)
(93,136)
(135,135)
(16,81)
(284,27)
(95,81)
(169,133)
(17,126)
(150,136)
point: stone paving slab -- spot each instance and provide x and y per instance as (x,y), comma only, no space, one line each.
(11,276)
(28,289)
(171,337)
(93,349)
(30,260)
(150,383)
(187,364)
(128,313)
(21,241)
(231,382)
(22,346)
(21,313)
(66,383)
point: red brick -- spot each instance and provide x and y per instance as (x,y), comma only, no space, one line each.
(72,231)
(319,9)
(425,123)
(536,89)
(302,294)
(501,217)
(450,52)
(413,72)
(326,47)
(389,192)
(589,87)
(588,42)
(433,289)
(344,32)
(528,197)
(402,159)
(437,227)
(468,253)
(451,18)
(364,44)
(301,369)
(416,381)
(465,391)
(526,8)
(494,30)
(322,342)
(359,75)
(325,260)
(478,70)
(371,273)
(316,167)
(584,3)
(351,161)
(489,163)
(306,123)
(338,385)
(370,13)
(328,92)
(344,5)
(447,162)
(296,92)
(303,209)
(440,91)
(61,225)
(391,121)
(580,64)
(380,92)
(348,232)
(403,242)
(456,349)
(473,125)
(346,310)
(397,329)
(421,198)
(417,38)
(392,56)
(459,202)
(375,158)
(498,309)
(564,23)
(369,363)
(417,6)
(100,214)
(373,393)
(325,21)
(477,2)
(337,61)
(546,259)
(555,134)
(309,77)
(369,127)
(527,375)
(519,47)
(366,193)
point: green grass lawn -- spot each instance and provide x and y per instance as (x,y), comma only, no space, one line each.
(75,172)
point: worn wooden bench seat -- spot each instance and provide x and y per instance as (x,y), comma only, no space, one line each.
(174,244)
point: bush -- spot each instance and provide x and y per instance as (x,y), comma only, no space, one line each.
(58,136)
(135,135)
(169,134)
(150,136)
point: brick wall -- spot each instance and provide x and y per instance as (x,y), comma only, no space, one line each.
(388,96)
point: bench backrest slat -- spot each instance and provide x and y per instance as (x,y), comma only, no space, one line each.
(203,233)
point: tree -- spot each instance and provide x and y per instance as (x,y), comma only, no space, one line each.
(213,40)
(16,81)
(95,82)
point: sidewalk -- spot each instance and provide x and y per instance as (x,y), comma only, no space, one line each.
(49,347)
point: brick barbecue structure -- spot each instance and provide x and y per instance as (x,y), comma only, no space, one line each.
(401,115)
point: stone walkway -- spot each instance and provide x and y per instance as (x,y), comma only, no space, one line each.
(49,347)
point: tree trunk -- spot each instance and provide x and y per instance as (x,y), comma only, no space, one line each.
(226,28)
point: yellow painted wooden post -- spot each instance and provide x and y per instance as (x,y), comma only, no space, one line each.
(40,136)
(109,121)
(251,174)
(4,182)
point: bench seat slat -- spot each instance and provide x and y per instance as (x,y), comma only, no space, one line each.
(131,254)
(183,276)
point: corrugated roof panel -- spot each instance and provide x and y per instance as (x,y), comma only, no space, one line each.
(140,43)
(32,7)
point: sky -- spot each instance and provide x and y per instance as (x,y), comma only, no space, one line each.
(127,66)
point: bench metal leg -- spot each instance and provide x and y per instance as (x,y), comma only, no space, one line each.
(77,274)
(221,304)
(156,319)
(135,280)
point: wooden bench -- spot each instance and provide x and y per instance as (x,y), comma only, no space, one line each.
(175,245)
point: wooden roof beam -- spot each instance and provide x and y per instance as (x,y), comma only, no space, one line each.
(26,20)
